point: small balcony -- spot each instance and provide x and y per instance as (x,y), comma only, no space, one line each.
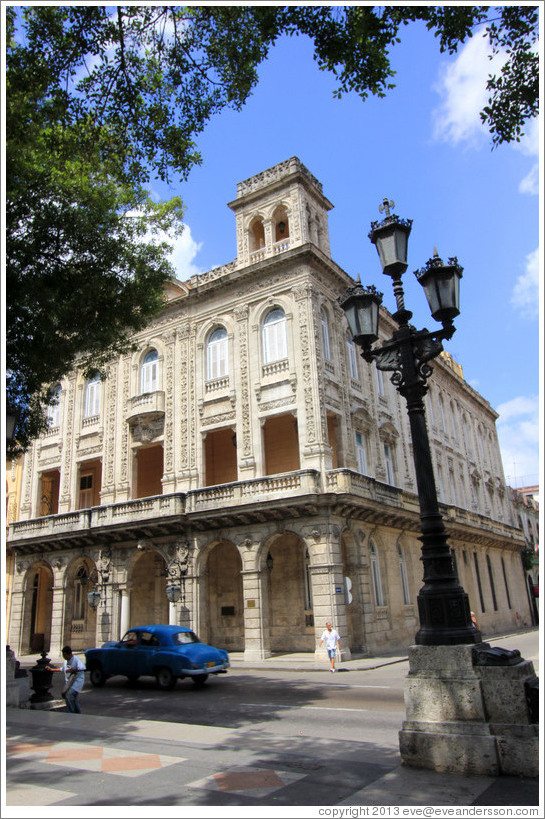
(150,406)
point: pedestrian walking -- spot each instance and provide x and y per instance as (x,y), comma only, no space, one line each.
(332,642)
(74,678)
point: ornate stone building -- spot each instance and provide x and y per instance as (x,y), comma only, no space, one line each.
(246,454)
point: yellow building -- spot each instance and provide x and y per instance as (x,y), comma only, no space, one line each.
(14,471)
(247,457)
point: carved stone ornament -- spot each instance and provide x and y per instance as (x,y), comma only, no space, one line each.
(146,432)
(104,563)
(182,554)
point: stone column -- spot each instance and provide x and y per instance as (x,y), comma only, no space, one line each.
(169,380)
(329,604)
(56,640)
(125,617)
(256,631)
(68,461)
(16,623)
(248,361)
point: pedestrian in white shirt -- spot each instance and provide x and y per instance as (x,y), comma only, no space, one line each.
(74,677)
(332,641)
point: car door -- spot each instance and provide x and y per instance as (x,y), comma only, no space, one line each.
(124,657)
(145,654)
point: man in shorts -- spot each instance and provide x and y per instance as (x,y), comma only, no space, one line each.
(332,641)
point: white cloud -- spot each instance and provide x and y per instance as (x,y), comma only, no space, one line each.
(518,432)
(530,183)
(184,251)
(462,87)
(525,296)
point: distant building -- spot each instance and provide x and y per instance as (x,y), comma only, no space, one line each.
(526,506)
(246,446)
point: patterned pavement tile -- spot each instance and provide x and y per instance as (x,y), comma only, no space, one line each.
(26,795)
(96,758)
(14,748)
(257,782)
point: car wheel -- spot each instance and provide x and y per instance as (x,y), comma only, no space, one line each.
(200,679)
(97,676)
(165,679)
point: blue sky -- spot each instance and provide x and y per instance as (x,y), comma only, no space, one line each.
(424,147)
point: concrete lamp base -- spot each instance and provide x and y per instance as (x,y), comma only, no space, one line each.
(467,712)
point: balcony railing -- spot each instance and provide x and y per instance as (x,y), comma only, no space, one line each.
(237,495)
(151,404)
(272,487)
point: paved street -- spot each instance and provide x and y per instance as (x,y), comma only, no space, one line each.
(285,733)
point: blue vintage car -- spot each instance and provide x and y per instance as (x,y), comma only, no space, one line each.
(167,653)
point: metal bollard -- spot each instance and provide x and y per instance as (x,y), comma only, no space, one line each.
(41,680)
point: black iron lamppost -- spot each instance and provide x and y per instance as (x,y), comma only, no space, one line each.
(176,572)
(443,605)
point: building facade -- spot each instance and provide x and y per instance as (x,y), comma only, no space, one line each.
(526,510)
(247,454)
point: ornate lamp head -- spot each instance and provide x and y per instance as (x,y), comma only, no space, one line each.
(441,283)
(391,237)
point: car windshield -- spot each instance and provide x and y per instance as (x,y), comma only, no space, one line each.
(182,638)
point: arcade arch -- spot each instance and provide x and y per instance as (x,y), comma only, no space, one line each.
(38,605)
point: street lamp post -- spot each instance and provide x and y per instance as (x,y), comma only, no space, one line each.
(443,605)
(176,572)
(95,578)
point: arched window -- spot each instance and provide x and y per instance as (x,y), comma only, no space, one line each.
(281,225)
(480,434)
(149,372)
(453,420)
(361,452)
(325,336)
(389,463)
(375,575)
(506,583)
(216,354)
(430,406)
(452,484)
(54,409)
(308,583)
(79,594)
(352,358)
(380,380)
(256,235)
(492,585)
(403,575)
(92,396)
(275,346)
(442,411)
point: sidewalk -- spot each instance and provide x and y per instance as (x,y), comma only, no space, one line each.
(298,661)
(56,758)
(304,661)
